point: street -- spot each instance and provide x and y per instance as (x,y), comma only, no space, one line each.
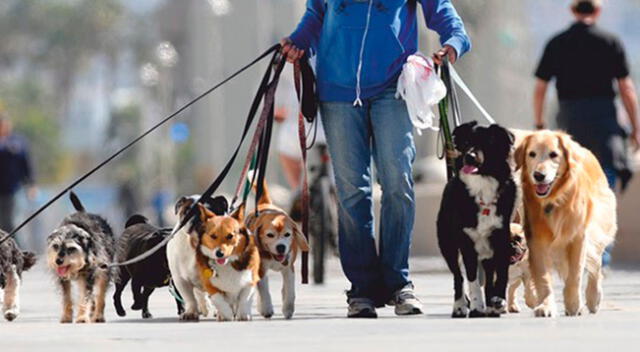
(320,324)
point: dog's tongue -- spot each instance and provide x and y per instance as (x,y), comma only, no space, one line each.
(62,270)
(542,188)
(221,261)
(279,257)
(469,169)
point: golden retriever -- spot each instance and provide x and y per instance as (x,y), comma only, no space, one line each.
(570,218)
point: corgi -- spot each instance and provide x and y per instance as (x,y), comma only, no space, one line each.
(279,240)
(228,263)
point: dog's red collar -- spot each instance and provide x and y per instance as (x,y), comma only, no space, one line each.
(486,211)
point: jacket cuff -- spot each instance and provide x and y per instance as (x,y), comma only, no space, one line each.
(461,44)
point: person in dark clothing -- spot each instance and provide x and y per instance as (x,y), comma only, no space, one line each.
(15,171)
(585,62)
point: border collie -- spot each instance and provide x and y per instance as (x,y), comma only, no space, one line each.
(474,218)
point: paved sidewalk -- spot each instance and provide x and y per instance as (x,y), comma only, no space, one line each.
(320,323)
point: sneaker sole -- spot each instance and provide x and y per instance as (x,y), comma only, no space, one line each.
(363,314)
(413,311)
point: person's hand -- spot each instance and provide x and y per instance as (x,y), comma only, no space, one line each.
(290,51)
(281,114)
(446,51)
(32,193)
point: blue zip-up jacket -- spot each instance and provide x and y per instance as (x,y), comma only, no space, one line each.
(335,31)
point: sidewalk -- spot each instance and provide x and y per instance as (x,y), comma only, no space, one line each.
(320,323)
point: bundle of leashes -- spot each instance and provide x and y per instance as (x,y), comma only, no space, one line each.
(262,137)
(450,103)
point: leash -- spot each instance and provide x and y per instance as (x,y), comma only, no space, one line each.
(274,48)
(265,85)
(305,182)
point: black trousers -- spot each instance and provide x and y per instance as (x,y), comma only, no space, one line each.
(7,207)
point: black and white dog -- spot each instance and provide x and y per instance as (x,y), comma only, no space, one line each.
(474,218)
(153,272)
(77,251)
(13,262)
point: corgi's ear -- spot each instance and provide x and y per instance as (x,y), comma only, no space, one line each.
(238,214)
(205,214)
(301,241)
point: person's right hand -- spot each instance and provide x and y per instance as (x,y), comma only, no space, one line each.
(290,51)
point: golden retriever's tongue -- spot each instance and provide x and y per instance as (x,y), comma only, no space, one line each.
(62,270)
(469,169)
(542,188)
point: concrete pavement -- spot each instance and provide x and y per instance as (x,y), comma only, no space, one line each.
(320,323)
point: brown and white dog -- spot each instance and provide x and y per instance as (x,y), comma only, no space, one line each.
(279,241)
(570,218)
(228,263)
(13,262)
(519,272)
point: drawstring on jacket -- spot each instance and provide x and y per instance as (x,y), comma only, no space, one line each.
(358,101)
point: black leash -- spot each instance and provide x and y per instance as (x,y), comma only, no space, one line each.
(449,103)
(275,48)
(265,85)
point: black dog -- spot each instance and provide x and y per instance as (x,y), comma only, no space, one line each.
(13,262)
(475,215)
(153,272)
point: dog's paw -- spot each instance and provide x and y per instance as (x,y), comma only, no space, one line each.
(460,308)
(266,310)
(82,320)
(98,320)
(221,318)
(287,311)
(543,311)
(11,314)
(146,315)
(574,312)
(136,306)
(477,314)
(243,317)
(189,316)
(514,308)
(497,306)
(66,319)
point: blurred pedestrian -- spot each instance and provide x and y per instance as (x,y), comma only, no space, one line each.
(16,171)
(361,46)
(585,61)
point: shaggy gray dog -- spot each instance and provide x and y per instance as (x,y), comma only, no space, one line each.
(13,262)
(78,251)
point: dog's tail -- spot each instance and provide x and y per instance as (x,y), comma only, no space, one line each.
(77,205)
(265,198)
(135,220)
(29,260)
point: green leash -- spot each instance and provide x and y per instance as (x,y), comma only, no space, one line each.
(445,128)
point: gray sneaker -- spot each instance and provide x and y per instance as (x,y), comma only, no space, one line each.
(360,307)
(406,302)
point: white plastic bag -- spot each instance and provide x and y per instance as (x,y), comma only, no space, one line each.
(421,88)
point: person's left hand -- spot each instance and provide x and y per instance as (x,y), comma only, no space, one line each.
(446,51)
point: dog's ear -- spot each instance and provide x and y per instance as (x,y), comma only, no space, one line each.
(218,205)
(205,214)
(502,134)
(462,135)
(238,214)
(571,154)
(301,241)
(520,154)
(182,204)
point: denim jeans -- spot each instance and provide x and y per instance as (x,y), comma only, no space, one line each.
(379,131)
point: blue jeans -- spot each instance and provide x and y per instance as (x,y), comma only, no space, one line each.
(381,131)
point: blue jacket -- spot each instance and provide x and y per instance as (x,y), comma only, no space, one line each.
(379,35)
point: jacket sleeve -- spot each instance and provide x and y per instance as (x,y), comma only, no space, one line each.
(443,18)
(307,34)
(25,164)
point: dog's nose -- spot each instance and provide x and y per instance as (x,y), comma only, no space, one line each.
(539,176)
(470,158)
(59,261)
(219,254)
(281,248)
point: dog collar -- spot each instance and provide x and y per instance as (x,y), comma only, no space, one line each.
(486,211)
